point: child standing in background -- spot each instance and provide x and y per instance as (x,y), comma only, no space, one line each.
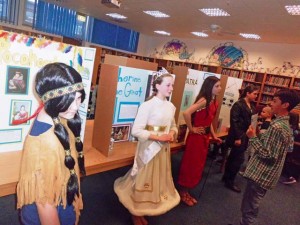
(266,115)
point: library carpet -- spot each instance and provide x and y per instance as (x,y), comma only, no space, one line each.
(216,206)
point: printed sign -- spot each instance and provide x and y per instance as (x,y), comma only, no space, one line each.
(21,57)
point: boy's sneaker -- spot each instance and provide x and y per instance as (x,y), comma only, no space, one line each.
(290,180)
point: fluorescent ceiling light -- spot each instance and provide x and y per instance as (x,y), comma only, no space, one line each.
(250,36)
(116,16)
(162,32)
(81,18)
(200,34)
(293,9)
(156,14)
(214,12)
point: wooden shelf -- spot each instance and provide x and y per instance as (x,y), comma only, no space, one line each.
(259,79)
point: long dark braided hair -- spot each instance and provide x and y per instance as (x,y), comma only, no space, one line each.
(206,92)
(50,77)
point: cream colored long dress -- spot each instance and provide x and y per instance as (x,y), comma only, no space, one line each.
(148,188)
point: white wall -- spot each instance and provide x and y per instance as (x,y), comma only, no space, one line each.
(272,54)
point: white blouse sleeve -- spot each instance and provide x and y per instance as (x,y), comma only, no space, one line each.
(173,126)
(140,122)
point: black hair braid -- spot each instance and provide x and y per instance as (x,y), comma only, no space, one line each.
(75,126)
(72,185)
(50,77)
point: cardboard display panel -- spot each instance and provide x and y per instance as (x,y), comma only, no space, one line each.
(105,107)
(127,89)
(21,56)
(129,62)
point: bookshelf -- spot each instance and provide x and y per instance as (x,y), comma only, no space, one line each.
(271,84)
(267,83)
(231,72)
(193,66)
(209,68)
(295,83)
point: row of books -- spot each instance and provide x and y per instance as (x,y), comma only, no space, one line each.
(231,73)
(296,84)
(281,81)
(248,76)
(265,99)
(270,89)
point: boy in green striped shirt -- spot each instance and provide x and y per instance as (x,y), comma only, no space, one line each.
(265,166)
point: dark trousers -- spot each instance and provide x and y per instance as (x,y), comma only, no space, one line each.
(291,166)
(250,203)
(234,162)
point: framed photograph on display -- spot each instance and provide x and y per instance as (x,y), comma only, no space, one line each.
(127,111)
(121,132)
(17,80)
(19,110)
(187,99)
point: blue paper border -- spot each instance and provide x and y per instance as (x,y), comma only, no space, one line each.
(126,103)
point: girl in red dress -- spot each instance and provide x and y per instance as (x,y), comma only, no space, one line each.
(198,118)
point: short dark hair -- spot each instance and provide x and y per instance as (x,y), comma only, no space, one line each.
(288,96)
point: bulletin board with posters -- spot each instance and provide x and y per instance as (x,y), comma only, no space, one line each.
(230,96)
(133,88)
(21,57)
(193,84)
(227,97)
(121,91)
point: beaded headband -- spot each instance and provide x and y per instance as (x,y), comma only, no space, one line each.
(58,92)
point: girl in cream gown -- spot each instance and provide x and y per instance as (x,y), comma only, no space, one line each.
(148,189)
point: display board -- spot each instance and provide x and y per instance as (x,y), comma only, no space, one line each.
(133,88)
(231,95)
(193,84)
(21,57)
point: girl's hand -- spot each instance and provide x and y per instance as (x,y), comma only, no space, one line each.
(198,130)
(238,142)
(251,132)
(218,140)
(166,138)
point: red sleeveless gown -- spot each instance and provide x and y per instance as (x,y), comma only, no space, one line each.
(194,157)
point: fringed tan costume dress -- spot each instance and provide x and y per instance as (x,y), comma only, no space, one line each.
(44,176)
(148,189)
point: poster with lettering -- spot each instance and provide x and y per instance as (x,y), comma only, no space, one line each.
(133,88)
(231,95)
(131,92)
(193,84)
(21,56)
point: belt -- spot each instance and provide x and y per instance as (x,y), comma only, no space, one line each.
(155,128)
(206,130)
